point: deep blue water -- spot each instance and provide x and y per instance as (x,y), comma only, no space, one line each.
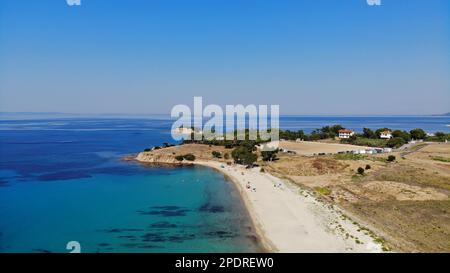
(430,124)
(62,179)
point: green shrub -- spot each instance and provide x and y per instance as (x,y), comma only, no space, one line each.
(323,190)
(243,155)
(216,154)
(189,157)
(418,133)
(269,155)
(363,141)
(349,157)
(402,134)
(440,158)
(360,171)
(391,158)
(368,167)
(395,142)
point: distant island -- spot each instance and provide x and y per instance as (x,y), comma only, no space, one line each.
(443,115)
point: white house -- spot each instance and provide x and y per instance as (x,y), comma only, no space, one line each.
(345,133)
(386,134)
(186,131)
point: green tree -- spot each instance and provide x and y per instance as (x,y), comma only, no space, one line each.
(391,158)
(368,133)
(326,132)
(402,134)
(418,133)
(189,157)
(216,154)
(269,155)
(440,135)
(335,129)
(242,155)
(395,142)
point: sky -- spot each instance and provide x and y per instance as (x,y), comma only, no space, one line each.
(326,57)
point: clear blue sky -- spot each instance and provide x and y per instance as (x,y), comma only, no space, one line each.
(144,56)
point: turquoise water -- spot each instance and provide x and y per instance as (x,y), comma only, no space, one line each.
(189,209)
(62,179)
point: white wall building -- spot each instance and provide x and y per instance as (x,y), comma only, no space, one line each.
(346,133)
(386,134)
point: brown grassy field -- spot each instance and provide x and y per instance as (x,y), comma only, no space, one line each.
(407,201)
(201,152)
(311,148)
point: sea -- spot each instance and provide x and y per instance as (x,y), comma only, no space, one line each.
(63,179)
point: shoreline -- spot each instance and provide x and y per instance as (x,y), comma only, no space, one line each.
(289,222)
(264,242)
(287,218)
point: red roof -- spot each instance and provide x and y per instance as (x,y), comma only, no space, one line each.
(345,131)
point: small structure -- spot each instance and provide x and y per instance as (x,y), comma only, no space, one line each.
(386,134)
(269,146)
(345,133)
(379,150)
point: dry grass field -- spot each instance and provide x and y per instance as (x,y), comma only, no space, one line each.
(406,200)
(311,148)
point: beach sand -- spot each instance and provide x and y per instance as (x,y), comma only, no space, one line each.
(289,219)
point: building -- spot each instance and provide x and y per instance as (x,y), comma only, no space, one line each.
(345,133)
(186,131)
(182,131)
(386,134)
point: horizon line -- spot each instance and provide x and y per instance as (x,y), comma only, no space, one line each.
(165,114)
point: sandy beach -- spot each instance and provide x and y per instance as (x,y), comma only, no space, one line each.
(289,219)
